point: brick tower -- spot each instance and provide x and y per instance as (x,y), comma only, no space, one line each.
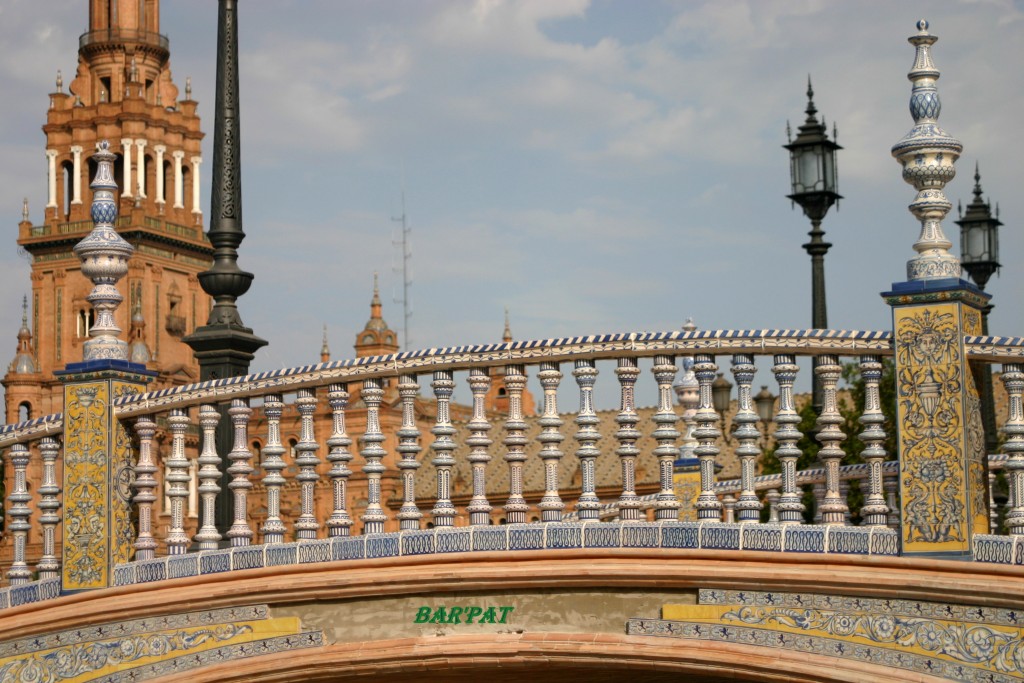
(122,92)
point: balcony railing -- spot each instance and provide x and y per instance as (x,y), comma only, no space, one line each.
(120,35)
(601,510)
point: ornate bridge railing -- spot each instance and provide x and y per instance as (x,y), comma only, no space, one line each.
(724,514)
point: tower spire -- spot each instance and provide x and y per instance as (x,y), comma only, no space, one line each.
(507,334)
(325,350)
(24,359)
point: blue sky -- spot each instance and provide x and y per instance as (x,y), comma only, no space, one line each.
(593,166)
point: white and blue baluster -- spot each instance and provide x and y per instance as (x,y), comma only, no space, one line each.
(666,504)
(588,506)
(273,527)
(550,438)
(340,522)
(373,452)
(791,509)
(19,512)
(833,507)
(408,446)
(49,566)
(306,526)
(748,506)
(208,538)
(709,508)
(627,435)
(444,511)
(145,488)
(874,511)
(515,444)
(479,508)
(176,475)
(240,533)
(1013,379)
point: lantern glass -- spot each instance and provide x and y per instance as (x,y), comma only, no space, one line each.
(765,404)
(721,393)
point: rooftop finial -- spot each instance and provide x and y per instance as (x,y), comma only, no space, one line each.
(506,336)
(977,182)
(689,325)
(60,82)
(928,154)
(325,350)
(24,209)
(188,87)
(24,311)
(376,290)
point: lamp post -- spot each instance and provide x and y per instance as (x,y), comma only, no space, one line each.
(979,256)
(721,397)
(812,164)
(764,403)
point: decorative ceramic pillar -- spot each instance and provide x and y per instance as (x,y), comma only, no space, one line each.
(76,174)
(49,566)
(791,508)
(748,507)
(1013,379)
(179,180)
(443,446)
(408,446)
(686,468)
(240,533)
(709,508)
(940,430)
(140,173)
(273,527)
(126,181)
(874,512)
(372,452)
(833,508)
(209,474)
(588,507)
(515,444)
(339,523)
(306,525)
(479,508)
(51,177)
(145,487)
(627,434)
(176,476)
(97,447)
(666,505)
(159,174)
(19,513)
(550,437)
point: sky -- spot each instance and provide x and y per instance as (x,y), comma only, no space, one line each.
(594,167)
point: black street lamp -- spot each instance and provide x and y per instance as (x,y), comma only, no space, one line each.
(812,157)
(979,256)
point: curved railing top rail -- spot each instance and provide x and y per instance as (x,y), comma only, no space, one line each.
(607,346)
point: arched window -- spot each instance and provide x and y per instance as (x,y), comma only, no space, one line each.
(292,468)
(67,171)
(24,411)
(368,339)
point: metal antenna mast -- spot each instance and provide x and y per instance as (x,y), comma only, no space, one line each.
(403,243)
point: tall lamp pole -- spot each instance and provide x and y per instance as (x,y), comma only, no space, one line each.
(224,346)
(979,256)
(812,164)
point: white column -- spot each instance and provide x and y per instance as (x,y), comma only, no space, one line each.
(51,175)
(179,191)
(140,173)
(195,184)
(126,144)
(159,172)
(76,180)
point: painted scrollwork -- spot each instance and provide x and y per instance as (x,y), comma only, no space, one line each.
(929,386)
